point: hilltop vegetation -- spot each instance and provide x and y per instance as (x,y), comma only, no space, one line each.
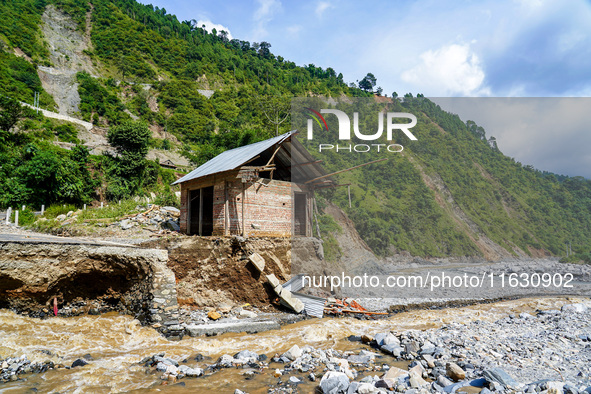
(203,93)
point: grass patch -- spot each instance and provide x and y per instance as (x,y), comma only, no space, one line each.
(55,210)
(112,211)
(25,218)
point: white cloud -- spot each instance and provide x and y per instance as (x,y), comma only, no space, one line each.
(321,7)
(209,26)
(549,133)
(449,70)
(263,15)
(294,30)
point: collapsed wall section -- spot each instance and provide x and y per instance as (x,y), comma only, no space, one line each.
(88,279)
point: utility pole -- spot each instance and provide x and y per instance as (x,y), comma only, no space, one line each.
(36,102)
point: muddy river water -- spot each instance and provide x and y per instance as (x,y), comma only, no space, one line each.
(118,343)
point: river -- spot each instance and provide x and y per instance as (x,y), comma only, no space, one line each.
(117,343)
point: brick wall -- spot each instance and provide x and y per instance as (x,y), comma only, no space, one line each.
(267,205)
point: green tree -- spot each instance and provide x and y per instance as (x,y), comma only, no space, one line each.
(10,112)
(368,82)
(130,139)
(276,110)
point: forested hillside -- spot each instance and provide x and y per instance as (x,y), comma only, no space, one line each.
(151,68)
(452,192)
(172,86)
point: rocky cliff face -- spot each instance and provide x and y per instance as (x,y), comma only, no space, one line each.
(66,51)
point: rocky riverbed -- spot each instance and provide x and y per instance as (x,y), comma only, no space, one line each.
(549,351)
(538,350)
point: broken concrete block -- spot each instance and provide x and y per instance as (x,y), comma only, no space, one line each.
(257,261)
(273,281)
(293,303)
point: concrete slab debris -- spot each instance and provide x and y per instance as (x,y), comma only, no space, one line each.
(273,281)
(291,302)
(257,261)
(243,325)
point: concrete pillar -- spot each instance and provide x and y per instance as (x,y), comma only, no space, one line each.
(85,207)
(42,209)
(8,213)
(16,218)
(101,205)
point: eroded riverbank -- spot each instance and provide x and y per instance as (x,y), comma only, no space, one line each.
(118,343)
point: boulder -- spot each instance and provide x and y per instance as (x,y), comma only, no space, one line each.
(574,308)
(497,375)
(225,361)
(430,360)
(555,387)
(392,349)
(79,363)
(365,338)
(247,356)
(394,373)
(293,303)
(213,315)
(126,224)
(172,210)
(191,372)
(443,381)
(455,372)
(416,380)
(293,353)
(171,224)
(334,383)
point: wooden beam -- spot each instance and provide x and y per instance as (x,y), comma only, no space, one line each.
(226,209)
(341,171)
(307,163)
(243,195)
(254,158)
(274,153)
(331,185)
(258,168)
(200,212)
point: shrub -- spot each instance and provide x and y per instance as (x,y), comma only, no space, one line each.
(25,218)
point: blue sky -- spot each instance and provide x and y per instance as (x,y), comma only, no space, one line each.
(438,48)
(514,48)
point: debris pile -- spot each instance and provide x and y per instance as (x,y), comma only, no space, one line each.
(348,307)
(155,218)
(289,295)
(285,295)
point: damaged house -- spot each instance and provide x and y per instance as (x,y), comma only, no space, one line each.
(262,189)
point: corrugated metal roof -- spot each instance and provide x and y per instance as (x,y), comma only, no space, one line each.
(233,158)
(295,283)
(314,306)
